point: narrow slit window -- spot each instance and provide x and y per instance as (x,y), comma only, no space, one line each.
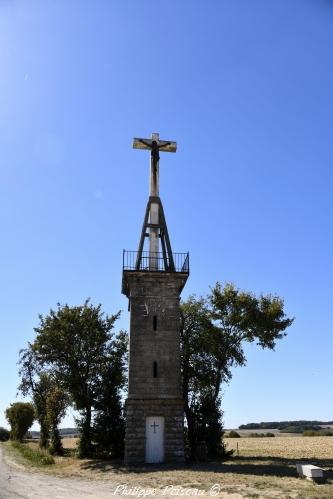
(155,369)
(155,322)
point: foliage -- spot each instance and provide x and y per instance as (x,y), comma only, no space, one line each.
(49,398)
(299,429)
(319,433)
(63,432)
(68,431)
(254,426)
(74,343)
(109,422)
(37,457)
(209,424)
(56,404)
(20,416)
(233,434)
(4,434)
(281,425)
(196,330)
(36,383)
(213,332)
(261,435)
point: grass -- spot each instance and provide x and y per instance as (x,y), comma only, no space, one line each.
(34,456)
(266,467)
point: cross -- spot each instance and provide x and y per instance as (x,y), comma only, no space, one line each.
(154,426)
(155,145)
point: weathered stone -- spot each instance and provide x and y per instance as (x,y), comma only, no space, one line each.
(154,294)
(310,471)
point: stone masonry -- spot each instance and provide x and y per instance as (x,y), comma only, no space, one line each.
(154,365)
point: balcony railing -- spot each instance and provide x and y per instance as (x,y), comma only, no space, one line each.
(148,261)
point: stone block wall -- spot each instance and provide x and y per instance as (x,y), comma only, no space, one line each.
(154,361)
(135,440)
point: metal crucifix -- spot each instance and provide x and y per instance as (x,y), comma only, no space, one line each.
(155,145)
(154,218)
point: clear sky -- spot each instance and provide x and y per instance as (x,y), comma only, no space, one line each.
(246,90)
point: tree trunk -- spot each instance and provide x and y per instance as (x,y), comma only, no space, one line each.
(44,433)
(56,444)
(192,437)
(188,413)
(85,444)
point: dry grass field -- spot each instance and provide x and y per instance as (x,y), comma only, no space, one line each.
(265,467)
(285,447)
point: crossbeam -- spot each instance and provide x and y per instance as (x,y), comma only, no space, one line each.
(163,145)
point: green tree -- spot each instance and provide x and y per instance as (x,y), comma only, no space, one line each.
(4,434)
(20,416)
(213,333)
(233,434)
(38,384)
(49,398)
(57,402)
(109,422)
(73,343)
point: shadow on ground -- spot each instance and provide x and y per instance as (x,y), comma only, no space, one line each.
(254,465)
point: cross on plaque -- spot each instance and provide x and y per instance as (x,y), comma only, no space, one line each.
(154,426)
(156,223)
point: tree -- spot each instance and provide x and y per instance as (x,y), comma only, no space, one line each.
(49,398)
(73,343)
(109,424)
(57,402)
(233,434)
(36,383)
(20,416)
(196,330)
(213,332)
(4,434)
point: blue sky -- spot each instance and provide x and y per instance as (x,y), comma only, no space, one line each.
(246,90)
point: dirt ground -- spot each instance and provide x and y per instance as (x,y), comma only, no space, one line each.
(265,468)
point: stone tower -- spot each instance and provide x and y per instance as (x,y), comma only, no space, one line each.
(153,280)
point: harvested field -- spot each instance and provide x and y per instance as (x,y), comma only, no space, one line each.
(320,448)
(69,442)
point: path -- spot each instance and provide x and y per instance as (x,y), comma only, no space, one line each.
(18,483)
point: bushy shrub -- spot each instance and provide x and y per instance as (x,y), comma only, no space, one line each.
(299,428)
(261,435)
(320,433)
(20,416)
(233,434)
(4,434)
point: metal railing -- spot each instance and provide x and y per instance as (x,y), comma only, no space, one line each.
(156,262)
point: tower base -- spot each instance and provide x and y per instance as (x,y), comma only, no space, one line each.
(139,414)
